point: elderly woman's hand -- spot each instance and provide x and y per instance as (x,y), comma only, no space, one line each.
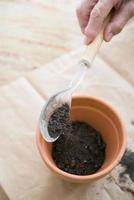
(91,14)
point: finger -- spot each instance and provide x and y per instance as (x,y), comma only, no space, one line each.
(83,12)
(119,20)
(97,16)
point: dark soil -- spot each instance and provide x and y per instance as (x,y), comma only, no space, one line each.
(80,150)
(128,162)
(59,122)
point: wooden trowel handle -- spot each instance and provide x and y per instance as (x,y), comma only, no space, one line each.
(92,49)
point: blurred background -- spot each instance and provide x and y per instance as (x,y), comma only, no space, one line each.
(33,33)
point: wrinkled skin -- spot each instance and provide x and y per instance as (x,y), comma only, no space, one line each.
(91,15)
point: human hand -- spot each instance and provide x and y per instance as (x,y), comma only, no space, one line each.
(92,13)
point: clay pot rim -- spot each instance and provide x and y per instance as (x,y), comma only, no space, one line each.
(58,171)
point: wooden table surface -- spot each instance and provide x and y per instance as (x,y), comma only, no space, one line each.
(34,33)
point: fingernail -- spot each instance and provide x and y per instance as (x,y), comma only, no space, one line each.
(87,41)
(109,36)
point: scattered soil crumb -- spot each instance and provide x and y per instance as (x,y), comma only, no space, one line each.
(128,190)
(132,122)
(128,162)
(109,179)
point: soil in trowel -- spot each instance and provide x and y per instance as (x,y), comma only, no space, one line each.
(81,149)
(59,122)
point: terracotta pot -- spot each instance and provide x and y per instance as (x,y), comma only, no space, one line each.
(103,118)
